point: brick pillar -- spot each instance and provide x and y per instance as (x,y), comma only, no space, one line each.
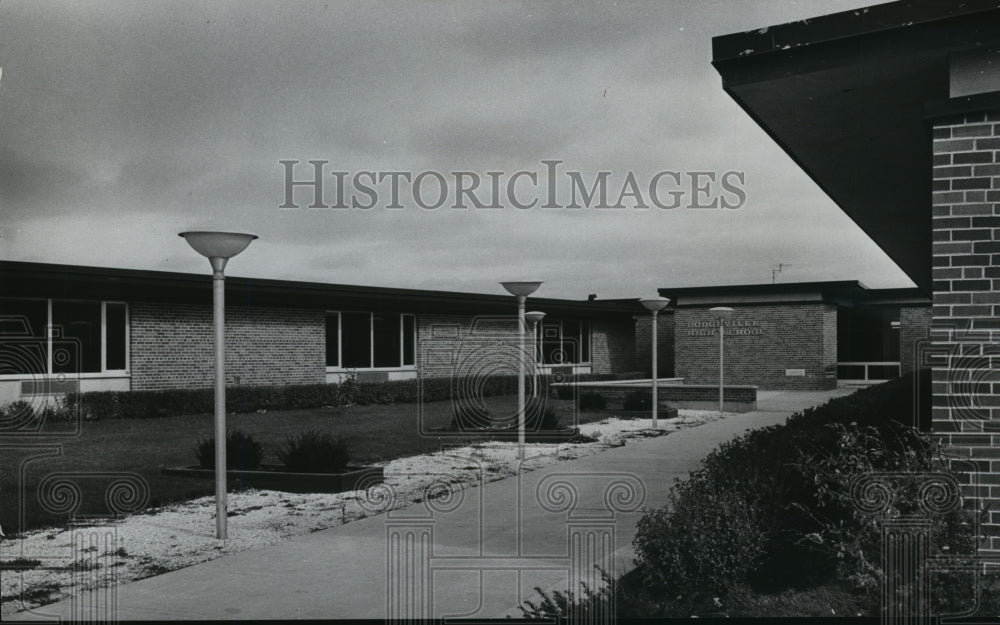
(966,311)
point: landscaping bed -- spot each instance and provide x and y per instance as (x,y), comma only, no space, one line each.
(172,536)
(276,477)
(774,523)
(561,435)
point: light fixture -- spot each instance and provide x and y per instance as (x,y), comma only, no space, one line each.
(654,306)
(521,289)
(219,247)
(721,313)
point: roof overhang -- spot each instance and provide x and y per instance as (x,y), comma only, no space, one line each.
(19,279)
(845,293)
(847,97)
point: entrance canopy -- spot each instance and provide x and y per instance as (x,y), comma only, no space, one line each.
(847,96)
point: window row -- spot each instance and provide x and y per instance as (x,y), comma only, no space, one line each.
(360,340)
(83,336)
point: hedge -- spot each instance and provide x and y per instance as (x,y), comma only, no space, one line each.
(772,509)
(100,405)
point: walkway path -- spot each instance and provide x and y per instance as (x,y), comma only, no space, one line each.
(484,550)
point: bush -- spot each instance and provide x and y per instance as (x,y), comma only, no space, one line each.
(772,511)
(99,405)
(592,401)
(469,414)
(242,451)
(315,452)
(638,401)
(707,539)
(540,415)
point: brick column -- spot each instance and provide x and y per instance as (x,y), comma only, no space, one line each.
(966,311)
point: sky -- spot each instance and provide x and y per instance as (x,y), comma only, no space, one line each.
(123,123)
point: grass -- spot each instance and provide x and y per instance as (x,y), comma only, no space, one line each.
(145,446)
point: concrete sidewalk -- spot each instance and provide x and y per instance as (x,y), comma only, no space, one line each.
(477,553)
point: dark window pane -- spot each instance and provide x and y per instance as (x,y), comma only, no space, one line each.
(387,340)
(79,347)
(355,334)
(23,348)
(332,340)
(114,333)
(571,340)
(409,339)
(584,341)
(551,345)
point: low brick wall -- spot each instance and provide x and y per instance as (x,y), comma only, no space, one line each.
(736,398)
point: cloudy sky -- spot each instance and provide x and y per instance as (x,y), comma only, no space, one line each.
(123,123)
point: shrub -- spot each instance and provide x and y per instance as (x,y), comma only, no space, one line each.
(540,415)
(707,540)
(638,401)
(315,452)
(772,510)
(469,414)
(242,451)
(98,405)
(592,401)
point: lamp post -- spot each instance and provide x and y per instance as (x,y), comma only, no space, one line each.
(534,318)
(521,290)
(219,247)
(654,306)
(721,313)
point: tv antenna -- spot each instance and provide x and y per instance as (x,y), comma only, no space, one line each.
(776,269)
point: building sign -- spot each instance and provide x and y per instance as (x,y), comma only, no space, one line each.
(734,328)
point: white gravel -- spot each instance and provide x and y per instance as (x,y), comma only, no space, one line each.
(179,535)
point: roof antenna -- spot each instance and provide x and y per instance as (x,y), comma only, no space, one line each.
(776,269)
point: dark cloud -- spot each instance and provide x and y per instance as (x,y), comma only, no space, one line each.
(144,119)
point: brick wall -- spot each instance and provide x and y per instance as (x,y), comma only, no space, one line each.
(966,258)
(613,346)
(761,343)
(462,345)
(914,327)
(171,346)
(664,341)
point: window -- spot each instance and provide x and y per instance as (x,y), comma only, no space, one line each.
(22,325)
(332,339)
(356,340)
(76,340)
(63,336)
(116,348)
(564,342)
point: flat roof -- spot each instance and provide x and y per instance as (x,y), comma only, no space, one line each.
(21,279)
(848,95)
(840,292)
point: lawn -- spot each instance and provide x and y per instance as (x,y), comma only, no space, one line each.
(145,446)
